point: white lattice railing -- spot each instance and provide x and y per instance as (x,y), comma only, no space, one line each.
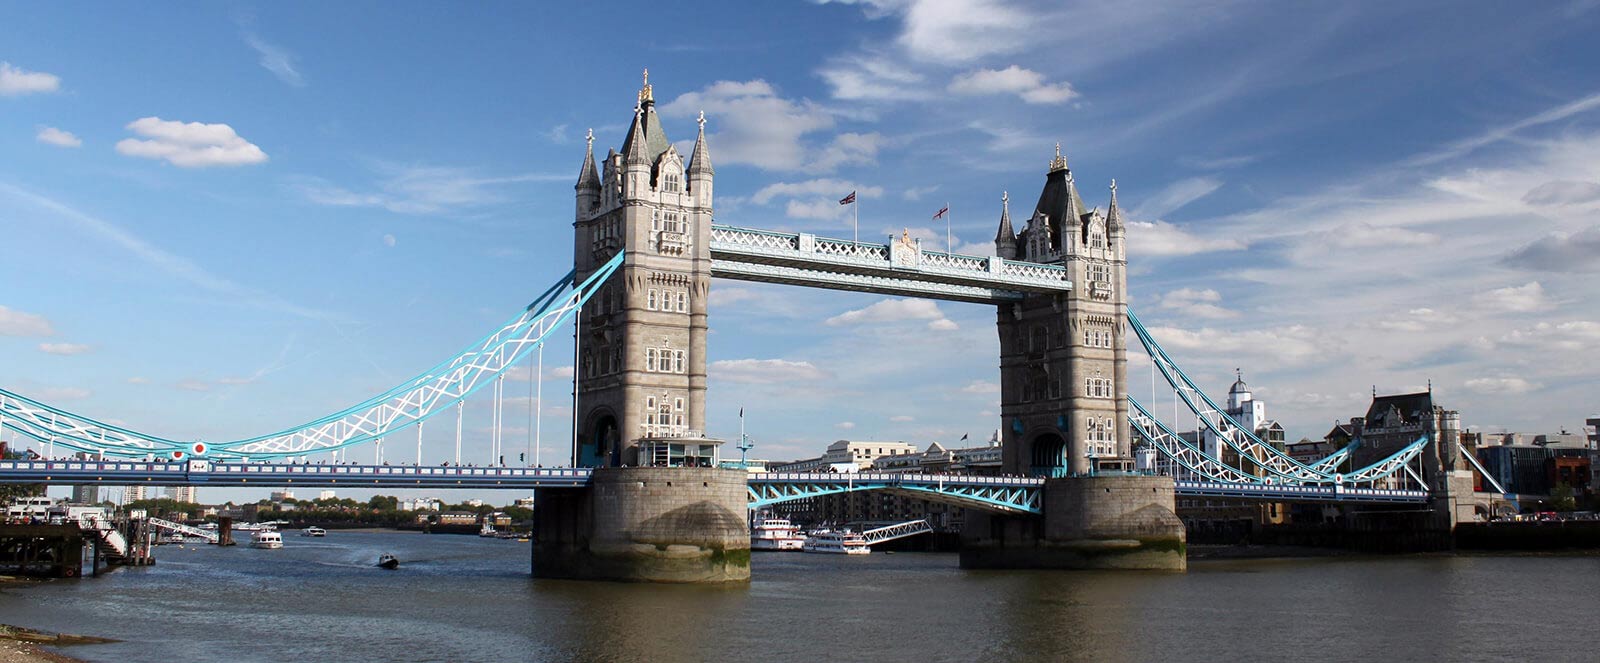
(848,249)
(955,261)
(754,238)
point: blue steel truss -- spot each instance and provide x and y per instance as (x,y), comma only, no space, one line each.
(406,405)
(1003,494)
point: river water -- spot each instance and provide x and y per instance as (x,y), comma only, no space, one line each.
(460,598)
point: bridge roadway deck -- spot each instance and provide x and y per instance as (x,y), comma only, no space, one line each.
(772,487)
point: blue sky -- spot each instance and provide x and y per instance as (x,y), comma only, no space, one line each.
(223,219)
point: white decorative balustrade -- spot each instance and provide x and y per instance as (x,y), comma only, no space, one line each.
(900,267)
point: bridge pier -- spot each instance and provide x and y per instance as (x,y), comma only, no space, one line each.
(645,524)
(1110,522)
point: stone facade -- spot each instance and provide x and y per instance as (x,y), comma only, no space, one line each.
(646,524)
(642,340)
(1063,360)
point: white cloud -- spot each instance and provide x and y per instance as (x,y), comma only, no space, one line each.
(58,138)
(750,124)
(1578,336)
(1563,192)
(18,323)
(65,349)
(873,77)
(815,199)
(1027,84)
(189,144)
(981,387)
(389,240)
(1417,320)
(902,418)
(1293,344)
(16,81)
(890,310)
(847,149)
(138,380)
(408,189)
(562,372)
(276,60)
(943,324)
(1360,235)
(765,371)
(1499,386)
(954,31)
(845,425)
(192,384)
(917,192)
(1560,252)
(1196,303)
(1159,238)
(1518,299)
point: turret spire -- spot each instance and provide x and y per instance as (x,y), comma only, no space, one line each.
(588,176)
(700,160)
(1114,215)
(637,153)
(1005,239)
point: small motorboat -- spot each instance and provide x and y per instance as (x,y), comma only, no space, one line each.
(388,561)
(313,531)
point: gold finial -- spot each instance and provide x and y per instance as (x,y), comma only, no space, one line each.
(1060,162)
(644,92)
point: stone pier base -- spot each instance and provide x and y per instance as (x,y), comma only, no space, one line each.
(645,524)
(1122,522)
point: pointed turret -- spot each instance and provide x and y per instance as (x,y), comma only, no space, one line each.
(634,150)
(588,186)
(1114,215)
(700,160)
(1005,239)
(588,175)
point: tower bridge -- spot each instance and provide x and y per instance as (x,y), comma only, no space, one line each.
(632,506)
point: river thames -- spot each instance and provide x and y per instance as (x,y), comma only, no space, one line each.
(460,598)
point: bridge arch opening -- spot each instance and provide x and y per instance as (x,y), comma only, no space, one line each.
(603,446)
(1048,455)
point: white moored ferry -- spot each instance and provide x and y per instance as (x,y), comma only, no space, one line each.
(776,534)
(266,540)
(837,543)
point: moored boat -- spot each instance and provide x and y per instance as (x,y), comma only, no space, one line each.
(837,543)
(776,534)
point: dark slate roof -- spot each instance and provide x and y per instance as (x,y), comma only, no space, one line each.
(1060,201)
(655,139)
(1399,409)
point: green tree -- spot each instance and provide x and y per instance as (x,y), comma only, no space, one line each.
(1562,499)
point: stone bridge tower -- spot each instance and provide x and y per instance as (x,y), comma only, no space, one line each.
(641,343)
(1063,362)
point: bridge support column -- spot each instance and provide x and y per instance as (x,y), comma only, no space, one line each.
(1115,522)
(645,524)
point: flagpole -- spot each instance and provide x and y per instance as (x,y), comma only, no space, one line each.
(855,207)
(947,249)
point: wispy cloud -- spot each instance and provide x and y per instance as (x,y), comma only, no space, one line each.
(276,60)
(412,189)
(168,263)
(64,349)
(57,137)
(20,323)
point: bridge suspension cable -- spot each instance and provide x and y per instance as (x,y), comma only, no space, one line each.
(407,404)
(1281,467)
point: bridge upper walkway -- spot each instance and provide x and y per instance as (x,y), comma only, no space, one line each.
(993,493)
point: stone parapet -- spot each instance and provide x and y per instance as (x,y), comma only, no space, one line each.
(645,524)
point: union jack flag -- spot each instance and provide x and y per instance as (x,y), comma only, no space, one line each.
(940,214)
(848,199)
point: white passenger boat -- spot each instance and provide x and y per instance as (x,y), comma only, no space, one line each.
(487,531)
(776,534)
(837,543)
(313,531)
(269,540)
